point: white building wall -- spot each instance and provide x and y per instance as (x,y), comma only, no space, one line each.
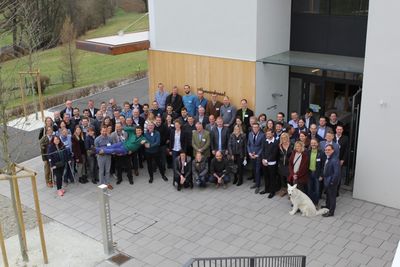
(273,37)
(377,172)
(220,28)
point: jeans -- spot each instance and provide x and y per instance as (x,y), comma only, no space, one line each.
(117,148)
(58,175)
(93,171)
(313,187)
(256,163)
(213,179)
(200,180)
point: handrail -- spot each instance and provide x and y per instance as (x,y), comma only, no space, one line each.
(257,261)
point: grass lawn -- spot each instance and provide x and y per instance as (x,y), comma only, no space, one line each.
(93,67)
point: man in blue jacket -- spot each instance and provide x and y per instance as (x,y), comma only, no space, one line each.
(254,149)
(330,176)
(152,152)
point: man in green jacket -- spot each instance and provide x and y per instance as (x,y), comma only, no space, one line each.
(131,144)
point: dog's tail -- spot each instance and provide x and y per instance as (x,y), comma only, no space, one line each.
(322,211)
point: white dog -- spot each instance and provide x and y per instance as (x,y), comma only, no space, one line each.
(303,202)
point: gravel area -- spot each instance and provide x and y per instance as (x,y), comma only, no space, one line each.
(8,222)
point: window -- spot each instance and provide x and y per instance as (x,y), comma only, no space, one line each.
(311,6)
(331,7)
(349,7)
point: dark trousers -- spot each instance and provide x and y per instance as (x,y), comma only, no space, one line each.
(238,162)
(123,163)
(256,172)
(188,182)
(163,156)
(271,179)
(135,160)
(152,158)
(58,176)
(313,187)
(331,191)
(92,171)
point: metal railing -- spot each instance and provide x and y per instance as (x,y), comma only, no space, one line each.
(268,261)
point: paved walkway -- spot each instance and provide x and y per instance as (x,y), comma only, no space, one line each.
(159,226)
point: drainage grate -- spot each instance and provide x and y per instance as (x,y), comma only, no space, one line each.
(119,259)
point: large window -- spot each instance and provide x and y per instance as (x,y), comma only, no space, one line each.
(349,7)
(311,6)
(331,7)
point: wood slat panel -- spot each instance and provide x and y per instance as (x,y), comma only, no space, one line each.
(235,77)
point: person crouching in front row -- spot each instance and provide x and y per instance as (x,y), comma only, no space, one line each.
(218,170)
(200,170)
(183,171)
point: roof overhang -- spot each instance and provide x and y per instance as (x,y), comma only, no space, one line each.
(317,61)
(116,44)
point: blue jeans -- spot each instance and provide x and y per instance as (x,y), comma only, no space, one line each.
(313,187)
(117,148)
(226,179)
(256,163)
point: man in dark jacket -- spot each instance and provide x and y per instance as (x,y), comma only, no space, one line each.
(152,152)
(183,171)
(219,170)
(175,100)
(244,113)
(330,176)
(164,140)
(93,171)
(220,138)
(254,150)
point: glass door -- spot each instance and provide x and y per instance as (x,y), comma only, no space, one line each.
(306,93)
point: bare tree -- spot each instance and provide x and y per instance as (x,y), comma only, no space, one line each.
(69,53)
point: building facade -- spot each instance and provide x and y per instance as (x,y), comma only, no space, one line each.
(283,55)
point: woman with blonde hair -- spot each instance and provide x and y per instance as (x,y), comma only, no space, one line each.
(298,167)
(285,151)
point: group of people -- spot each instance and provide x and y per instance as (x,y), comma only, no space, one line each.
(204,141)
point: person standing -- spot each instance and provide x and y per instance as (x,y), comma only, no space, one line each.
(329,137)
(175,100)
(228,113)
(254,150)
(213,106)
(92,169)
(152,152)
(201,141)
(183,171)
(237,147)
(79,152)
(122,161)
(189,101)
(220,138)
(330,176)
(285,151)
(343,142)
(164,139)
(245,113)
(104,160)
(270,157)
(316,158)
(188,129)
(44,143)
(58,158)
(200,100)
(161,97)
(298,167)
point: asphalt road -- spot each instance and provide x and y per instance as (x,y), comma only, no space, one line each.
(25,145)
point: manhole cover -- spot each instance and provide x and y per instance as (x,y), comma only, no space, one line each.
(119,259)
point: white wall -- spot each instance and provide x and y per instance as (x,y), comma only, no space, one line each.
(271,79)
(220,28)
(377,172)
(273,37)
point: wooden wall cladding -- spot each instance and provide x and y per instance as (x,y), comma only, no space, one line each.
(237,78)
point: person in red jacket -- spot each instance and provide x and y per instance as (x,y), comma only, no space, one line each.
(298,167)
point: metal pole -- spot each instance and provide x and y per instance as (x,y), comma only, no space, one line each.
(105,217)
(3,248)
(39,219)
